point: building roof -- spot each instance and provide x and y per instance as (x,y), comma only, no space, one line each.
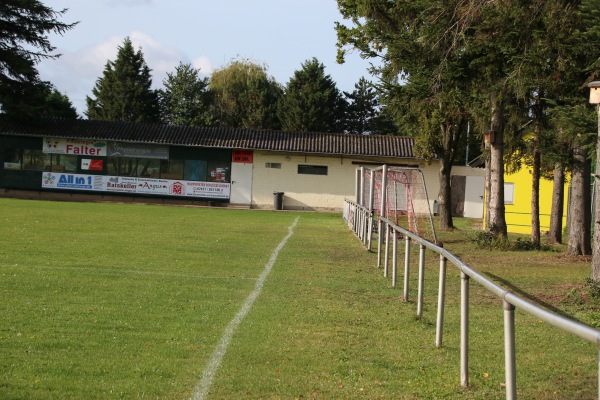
(224,138)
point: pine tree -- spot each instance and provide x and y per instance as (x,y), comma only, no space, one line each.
(311,101)
(186,100)
(124,91)
(364,112)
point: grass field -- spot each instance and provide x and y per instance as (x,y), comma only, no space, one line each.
(103,301)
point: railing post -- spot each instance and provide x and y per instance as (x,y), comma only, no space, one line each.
(406,267)
(464,329)
(510,363)
(365,225)
(439,327)
(394,257)
(359,227)
(421,281)
(387,249)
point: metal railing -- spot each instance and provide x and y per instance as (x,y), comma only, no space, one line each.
(389,231)
(360,220)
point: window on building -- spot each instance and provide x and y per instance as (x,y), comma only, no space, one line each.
(64,163)
(171,169)
(195,170)
(509,193)
(218,171)
(36,160)
(13,159)
(312,169)
(275,165)
(128,166)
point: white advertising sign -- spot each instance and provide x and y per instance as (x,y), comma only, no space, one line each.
(82,147)
(135,185)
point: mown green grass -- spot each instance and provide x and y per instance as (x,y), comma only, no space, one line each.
(108,301)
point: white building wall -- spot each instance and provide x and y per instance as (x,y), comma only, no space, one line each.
(316,192)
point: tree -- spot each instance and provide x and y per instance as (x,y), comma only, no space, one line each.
(311,101)
(36,100)
(245,96)
(429,99)
(364,113)
(124,91)
(186,100)
(579,230)
(577,44)
(24,29)
(57,104)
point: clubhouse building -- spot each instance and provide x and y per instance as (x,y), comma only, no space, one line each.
(87,160)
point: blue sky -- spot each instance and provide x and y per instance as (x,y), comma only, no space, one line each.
(281,34)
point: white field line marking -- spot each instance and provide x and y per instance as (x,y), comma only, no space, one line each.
(201,390)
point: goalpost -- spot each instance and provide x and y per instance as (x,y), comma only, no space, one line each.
(400,195)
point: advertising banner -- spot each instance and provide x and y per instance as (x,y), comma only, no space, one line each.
(137,150)
(135,185)
(82,147)
(92,165)
(242,156)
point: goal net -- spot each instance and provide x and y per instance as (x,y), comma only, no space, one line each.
(401,197)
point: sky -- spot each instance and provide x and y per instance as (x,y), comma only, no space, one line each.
(208,34)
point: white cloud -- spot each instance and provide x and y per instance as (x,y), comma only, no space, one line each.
(160,58)
(204,64)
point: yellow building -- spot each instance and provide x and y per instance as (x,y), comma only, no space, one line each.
(517,202)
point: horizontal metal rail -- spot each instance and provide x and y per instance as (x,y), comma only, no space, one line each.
(388,229)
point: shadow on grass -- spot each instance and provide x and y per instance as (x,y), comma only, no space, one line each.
(531,298)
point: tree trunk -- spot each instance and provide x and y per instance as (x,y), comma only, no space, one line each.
(497,223)
(445,196)
(558,195)
(535,191)
(487,189)
(596,258)
(445,206)
(579,207)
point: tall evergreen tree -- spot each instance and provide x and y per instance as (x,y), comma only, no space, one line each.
(364,114)
(124,92)
(24,29)
(244,96)
(311,101)
(186,100)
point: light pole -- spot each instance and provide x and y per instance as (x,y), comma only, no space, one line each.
(595,99)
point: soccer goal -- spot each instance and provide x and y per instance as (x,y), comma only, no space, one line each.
(400,195)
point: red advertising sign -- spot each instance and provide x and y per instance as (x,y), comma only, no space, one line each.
(242,156)
(91,165)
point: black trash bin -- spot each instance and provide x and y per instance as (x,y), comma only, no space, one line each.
(278,200)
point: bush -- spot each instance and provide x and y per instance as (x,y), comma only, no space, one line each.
(593,288)
(491,241)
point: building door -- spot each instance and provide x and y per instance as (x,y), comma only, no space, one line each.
(474,190)
(241,178)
